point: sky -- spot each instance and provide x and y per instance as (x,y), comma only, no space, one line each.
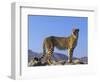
(40,27)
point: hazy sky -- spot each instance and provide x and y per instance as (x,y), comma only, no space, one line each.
(40,27)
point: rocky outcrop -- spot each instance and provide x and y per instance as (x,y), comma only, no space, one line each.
(34,59)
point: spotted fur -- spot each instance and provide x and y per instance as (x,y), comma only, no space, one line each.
(61,43)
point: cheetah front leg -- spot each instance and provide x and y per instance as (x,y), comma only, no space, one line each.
(70,55)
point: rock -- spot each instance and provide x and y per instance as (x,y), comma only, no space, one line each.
(77,61)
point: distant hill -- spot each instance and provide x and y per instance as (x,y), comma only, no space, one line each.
(32,54)
(56,56)
(84,59)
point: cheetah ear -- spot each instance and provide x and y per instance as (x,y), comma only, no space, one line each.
(73,27)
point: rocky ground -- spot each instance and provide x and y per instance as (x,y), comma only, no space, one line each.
(34,59)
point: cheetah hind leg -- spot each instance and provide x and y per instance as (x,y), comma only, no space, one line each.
(49,57)
(49,62)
